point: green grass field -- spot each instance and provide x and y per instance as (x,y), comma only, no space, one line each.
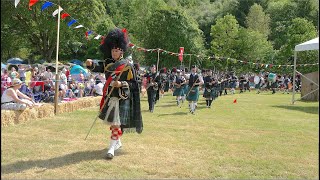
(262,136)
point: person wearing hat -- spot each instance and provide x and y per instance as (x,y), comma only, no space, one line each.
(10,99)
(152,87)
(195,80)
(120,103)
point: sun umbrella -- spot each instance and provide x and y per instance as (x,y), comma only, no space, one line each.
(15,61)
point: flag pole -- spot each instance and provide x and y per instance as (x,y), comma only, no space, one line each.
(57,57)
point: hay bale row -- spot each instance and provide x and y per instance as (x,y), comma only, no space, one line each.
(9,117)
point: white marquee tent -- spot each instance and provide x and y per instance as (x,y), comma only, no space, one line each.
(306,46)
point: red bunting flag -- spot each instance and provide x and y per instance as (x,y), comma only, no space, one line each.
(64,15)
(181,54)
(32,2)
(235,101)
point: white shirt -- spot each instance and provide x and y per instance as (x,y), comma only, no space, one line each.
(98,88)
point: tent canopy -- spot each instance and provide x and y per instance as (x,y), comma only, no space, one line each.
(309,45)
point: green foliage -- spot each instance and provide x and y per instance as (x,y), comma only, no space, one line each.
(299,31)
(169,29)
(257,20)
(254,30)
(224,35)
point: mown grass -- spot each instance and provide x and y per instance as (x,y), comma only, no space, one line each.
(262,136)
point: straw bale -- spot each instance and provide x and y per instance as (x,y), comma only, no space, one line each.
(7,118)
(46,110)
(10,117)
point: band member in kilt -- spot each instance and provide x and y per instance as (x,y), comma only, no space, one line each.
(258,85)
(233,82)
(195,81)
(209,93)
(152,87)
(178,83)
(120,103)
(171,78)
(163,81)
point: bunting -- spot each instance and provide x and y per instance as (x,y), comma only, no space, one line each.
(16,2)
(57,11)
(46,5)
(72,22)
(64,15)
(32,2)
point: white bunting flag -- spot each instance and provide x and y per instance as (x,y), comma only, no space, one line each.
(80,26)
(97,37)
(16,2)
(56,12)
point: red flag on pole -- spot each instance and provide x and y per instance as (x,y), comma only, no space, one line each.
(181,53)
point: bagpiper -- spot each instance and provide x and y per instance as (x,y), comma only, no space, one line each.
(152,87)
(195,81)
(120,103)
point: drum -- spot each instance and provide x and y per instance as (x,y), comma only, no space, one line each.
(272,77)
(256,80)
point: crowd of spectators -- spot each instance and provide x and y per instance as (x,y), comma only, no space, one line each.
(38,83)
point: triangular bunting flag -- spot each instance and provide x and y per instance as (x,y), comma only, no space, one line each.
(97,37)
(72,22)
(16,2)
(46,5)
(64,15)
(79,26)
(56,11)
(32,2)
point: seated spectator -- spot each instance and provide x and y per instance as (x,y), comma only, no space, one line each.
(10,100)
(14,74)
(5,81)
(97,89)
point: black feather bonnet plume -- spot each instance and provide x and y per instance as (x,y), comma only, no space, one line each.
(115,39)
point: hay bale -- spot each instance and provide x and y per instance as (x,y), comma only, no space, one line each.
(10,117)
(7,118)
(25,115)
(46,110)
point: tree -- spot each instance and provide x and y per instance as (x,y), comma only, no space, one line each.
(40,28)
(299,31)
(171,28)
(257,20)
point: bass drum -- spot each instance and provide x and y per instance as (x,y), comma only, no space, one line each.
(256,80)
(272,77)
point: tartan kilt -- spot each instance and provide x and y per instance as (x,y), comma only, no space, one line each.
(185,89)
(178,91)
(194,94)
(166,86)
(124,112)
(209,93)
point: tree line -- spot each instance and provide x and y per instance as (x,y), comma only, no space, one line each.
(260,31)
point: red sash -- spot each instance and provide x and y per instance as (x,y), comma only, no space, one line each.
(118,69)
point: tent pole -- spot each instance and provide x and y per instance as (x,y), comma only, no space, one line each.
(294,76)
(57,57)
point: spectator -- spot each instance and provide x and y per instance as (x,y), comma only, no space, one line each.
(10,100)
(22,72)
(97,89)
(5,81)
(14,74)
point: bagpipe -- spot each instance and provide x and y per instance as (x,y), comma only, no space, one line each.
(154,84)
